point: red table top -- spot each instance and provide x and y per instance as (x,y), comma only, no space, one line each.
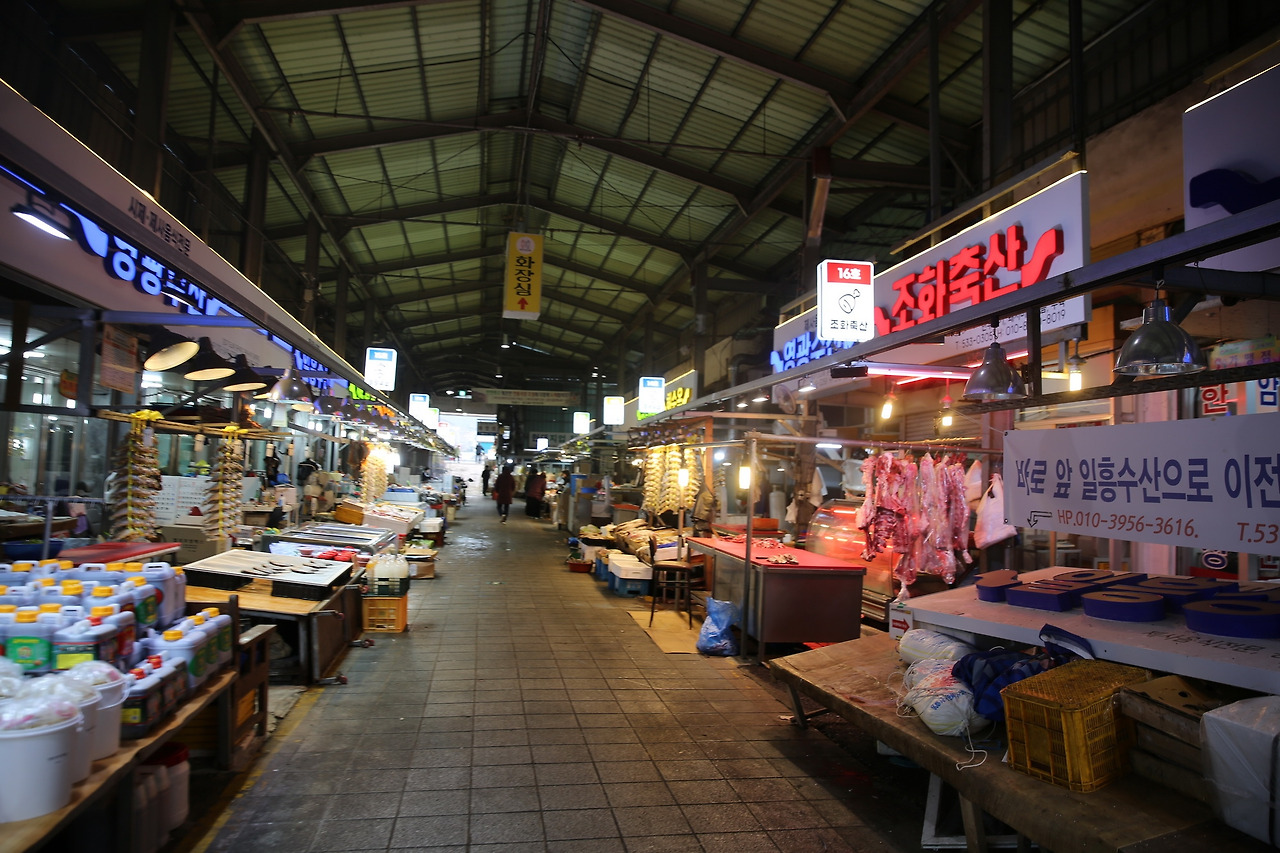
(760,556)
(118,552)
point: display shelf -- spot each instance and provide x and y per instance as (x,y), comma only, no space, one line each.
(108,773)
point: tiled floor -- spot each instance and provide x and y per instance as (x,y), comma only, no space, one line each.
(526,711)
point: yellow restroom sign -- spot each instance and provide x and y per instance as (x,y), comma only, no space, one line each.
(522,292)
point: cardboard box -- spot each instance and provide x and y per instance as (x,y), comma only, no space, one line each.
(196,545)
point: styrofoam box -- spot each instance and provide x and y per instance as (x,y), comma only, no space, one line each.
(1239,754)
(626,566)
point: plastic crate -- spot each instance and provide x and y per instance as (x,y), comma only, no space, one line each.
(602,568)
(1064,727)
(387,587)
(629,586)
(389,613)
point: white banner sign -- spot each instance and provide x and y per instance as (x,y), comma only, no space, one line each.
(846,301)
(418,405)
(524,397)
(614,411)
(380,368)
(652,398)
(1207,483)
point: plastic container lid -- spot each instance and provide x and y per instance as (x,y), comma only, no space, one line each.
(72,587)
(139,580)
(4,589)
(23,566)
(210,612)
(197,619)
(132,567)
(8,608)
(172,635)
(25,616)
(50,607)
(50,562)
(102,611)
(115,567)
(45,581)
(95,621)
(66,564)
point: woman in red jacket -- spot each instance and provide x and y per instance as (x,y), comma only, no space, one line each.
(504,490)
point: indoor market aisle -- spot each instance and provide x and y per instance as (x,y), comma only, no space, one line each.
(525,710)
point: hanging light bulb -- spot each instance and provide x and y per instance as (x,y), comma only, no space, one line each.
(762,396)
(947,418)
(293,391)
(682,478)
(742,403)
(1159,347)
(806,385)
(886,407)
(744,477)
(1075,370)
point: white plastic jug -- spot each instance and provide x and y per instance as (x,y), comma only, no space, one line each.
(30,642)
(142,708)
(146,604)
(169,600)
(127,652)
(190,648)
(222,624)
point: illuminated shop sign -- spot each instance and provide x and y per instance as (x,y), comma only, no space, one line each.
(1041,236)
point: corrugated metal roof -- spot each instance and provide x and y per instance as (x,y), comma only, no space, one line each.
(642,138)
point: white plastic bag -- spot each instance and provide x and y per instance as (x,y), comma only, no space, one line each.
(943,702)
(919,644)
(991,527)
(973,484)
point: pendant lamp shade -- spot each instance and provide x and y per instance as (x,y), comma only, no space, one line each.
(207,366)
(166,350)
(995,379)
(293,391)
(244,379)
(1159,347)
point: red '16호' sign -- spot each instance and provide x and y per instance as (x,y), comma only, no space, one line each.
(1043,235)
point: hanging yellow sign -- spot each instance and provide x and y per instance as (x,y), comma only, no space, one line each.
(522,292)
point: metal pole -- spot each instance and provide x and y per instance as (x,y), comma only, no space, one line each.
(747,598)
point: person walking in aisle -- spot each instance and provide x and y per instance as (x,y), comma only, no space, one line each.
(534,489)
(504,489)
(484,480)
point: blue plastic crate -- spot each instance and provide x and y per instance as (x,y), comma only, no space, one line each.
(611,579)
(602,569)
(629,586)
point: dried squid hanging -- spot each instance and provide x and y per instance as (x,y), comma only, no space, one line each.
(131,495)
(223,497)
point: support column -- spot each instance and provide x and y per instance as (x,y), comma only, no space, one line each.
(701,324)
(311,270)
(997,85)
(255,209)
(935,121)
(340,312)
(150,111)
(1079,108)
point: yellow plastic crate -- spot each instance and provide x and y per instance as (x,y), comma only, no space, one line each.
(1063,725)
(386,613)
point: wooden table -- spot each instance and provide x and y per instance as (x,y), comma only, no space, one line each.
(1131,815)
(115,774)
(326,627)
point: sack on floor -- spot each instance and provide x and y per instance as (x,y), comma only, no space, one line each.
(716,636)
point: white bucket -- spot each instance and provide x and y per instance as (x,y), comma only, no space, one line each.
(40,763)
(82,749)
(106,735)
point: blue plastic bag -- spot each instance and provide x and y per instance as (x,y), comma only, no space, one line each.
(716,636)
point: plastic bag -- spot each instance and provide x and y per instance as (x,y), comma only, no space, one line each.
(716,636)
(973,484)
(919,644)
(991,527)
(943,702)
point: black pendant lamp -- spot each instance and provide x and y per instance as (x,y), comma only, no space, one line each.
(167,349)
(244,379)
(207,366)
(292,391)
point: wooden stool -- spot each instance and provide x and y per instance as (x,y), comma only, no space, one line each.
(673,576)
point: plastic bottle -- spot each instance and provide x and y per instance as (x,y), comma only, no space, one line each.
(222,623)
(144,828)
(141,705)
(30,642)
(162,577)
(18,596)
(175,757)
(146,603)
(180,579)
(172,673)
(8,612)
(126,652)
(110,594)
(191,649)
(198,624)
(159,812)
